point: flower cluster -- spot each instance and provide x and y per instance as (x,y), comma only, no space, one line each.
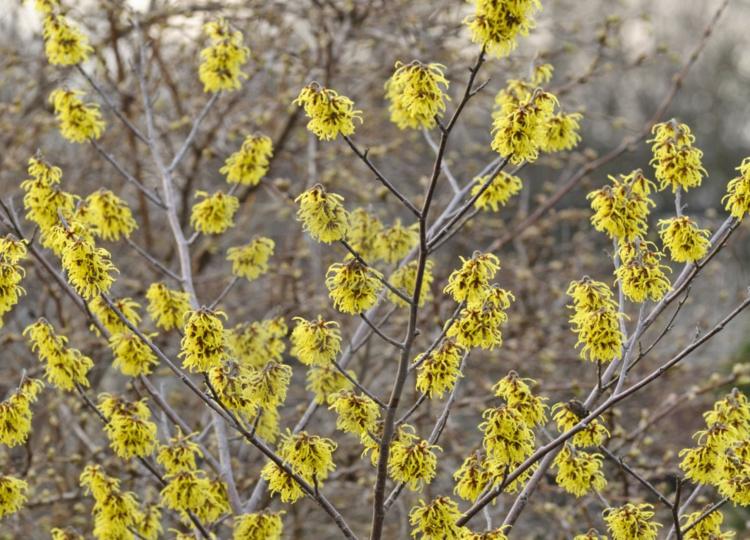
(64,44)
(362,234)
(738,192)
(438,370)
(596,320)
(109,318)
(215,213)
(568,415)
(404,279)
(115,512)
(415,94)
(180,454)
(317,342)
(12,494)
(396,241)
(471,282)
(204,343)
(64,367)
(352,286)
(496,25)
(256,343)
(471,478)
(167,307)
(248,165)
(705,526)
(322,214)
(15,412)
(109,216)
(88,267)
(43,200)
(579,472)
(258,526)
(12,252)
(79,121)
(222,61)
(562,132)
(129,428)
(192,491)
(631,522)
(133,357)
(520,130)
(677,163)
(641,274)
(621,209)
(516,391)
(357,413)
(436,520)
(412,461)
(251,260)
(330,114)
(481,326)
(684,240)
(325,381)
(499,191)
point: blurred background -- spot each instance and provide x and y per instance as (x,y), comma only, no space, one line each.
(615,61)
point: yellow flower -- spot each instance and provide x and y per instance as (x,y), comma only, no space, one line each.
(251,260)
(43,200)
(64,367)
(88,268)
(322,214)
(258,526)
(186,491)
(268,385)
(734,412)
(179,455)
(255,344)
(129,429)
(362,234)
(215,503)
(357,413)
(592,534)
(497,534)
(578,472)
(215,213)
(520,132)
(248,165)
(231,384)
(677,163)
(65,534)
(567,416)
(316,343)
(405,279)
(309,456)
(508,440)
(471,478)
(436,520)
(12,494)
(109,216)
(481,326)
(517,394)
(709,527)
(412,461)
(621,209)
(496,25)
(596,320)
(167,307)
(281,482)
(12,251)
(415,94)
(562,132)
(79,121)
(324,381)
(352,286)
(109,318)
(45,7)
(738,192)
(132,356)
(440,369)
(499,191)
(642,277)
(64,44)
(685,241)
(15,413)
(222,61)
(470,282)
(631,522)
(396,241)
(149,526)
(114,512)
(204,343)
(330,114)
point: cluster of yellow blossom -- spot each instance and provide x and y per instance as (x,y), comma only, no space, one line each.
(641,274)
(64,367)
(117,513)
(357,413)
(230,383)
(631,522)
(415,94)
(255,343)
(251,260)
(706,527)
(203,345)
(738,192)
(222,61)
(214,214)
(396,241)
(322,214)
(88,267)
(330,114)
(363,232)
(191,491)
(579,472)
(129,428)
(412,460)
(180,454)
(520,130)
(317,342)
(44,200)
(499,191)
(108,216)
(309,456)
(248,165)
(677,163)
(438,370)
(79,121)
(496,25)
(436,520)
(325,381)
(722,455)
(258,526)
(684,240)
(404,279)
(64,44)
(12,252)
(167,307)
(471,282)
(133,357)
(353,286)
(596,320)
(621,209)
(15,413)
(568,415)
(12,494)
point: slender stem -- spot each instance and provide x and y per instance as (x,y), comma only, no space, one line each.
(150,195)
